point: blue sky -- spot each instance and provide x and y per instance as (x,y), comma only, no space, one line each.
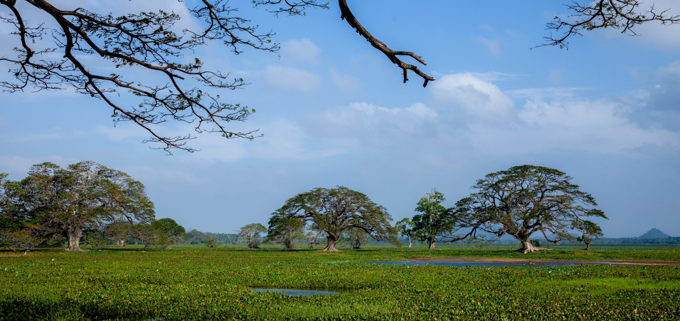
(334,111)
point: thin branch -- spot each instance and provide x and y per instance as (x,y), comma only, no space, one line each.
(618,14)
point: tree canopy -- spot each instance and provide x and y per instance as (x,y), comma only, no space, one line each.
(251,234)
(335,210)
(84,197)
(434,219)
(286,232)
(82,39)
(524,200)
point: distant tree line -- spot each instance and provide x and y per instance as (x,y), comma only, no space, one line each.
(521,202)
(101,206)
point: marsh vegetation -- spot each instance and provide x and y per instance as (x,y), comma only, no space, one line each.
(200,283)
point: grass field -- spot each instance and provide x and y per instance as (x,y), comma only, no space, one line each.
(196,283)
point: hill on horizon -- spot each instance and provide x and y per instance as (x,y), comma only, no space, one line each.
(654,234)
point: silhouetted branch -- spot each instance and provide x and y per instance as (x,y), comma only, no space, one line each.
(391,54)
(619,14)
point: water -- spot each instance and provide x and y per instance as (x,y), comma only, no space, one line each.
(490,264)
(295,292)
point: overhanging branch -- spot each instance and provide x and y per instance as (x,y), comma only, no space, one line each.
(391,54)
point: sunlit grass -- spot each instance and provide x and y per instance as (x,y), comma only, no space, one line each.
(197,283)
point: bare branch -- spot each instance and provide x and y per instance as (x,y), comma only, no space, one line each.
(619,14)
(391,54)
(142,41)
(292,8)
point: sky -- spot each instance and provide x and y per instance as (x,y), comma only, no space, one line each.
(334,111)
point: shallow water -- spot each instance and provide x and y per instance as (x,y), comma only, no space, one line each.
(295,292)
(490,264)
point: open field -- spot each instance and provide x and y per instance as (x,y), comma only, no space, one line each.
(196,283)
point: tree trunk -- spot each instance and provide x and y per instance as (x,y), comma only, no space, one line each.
(122,243)
(431,243)
(331,243)
(587,246)
(410,241)
(74,239)
(528,247)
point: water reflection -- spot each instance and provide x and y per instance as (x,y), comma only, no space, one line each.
(295,292)
(490,264)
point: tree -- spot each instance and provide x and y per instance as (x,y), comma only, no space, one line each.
(312,238)
(84,197)
(618,14)
(86,45)
(354,237)
(405,228)
(335,210)
(435,222)
(210,243)
(286,231)
(168,232)
(84,40)
(589,232)
(251,234)
(524,200)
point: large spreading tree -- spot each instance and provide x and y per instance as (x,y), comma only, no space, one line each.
(524,200)
(335,211)
(63,46)
(71,201)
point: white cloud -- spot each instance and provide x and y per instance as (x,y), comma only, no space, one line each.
(493,46)
(346,83)
(544,93)
(148,174)
(492,76)
(302,51)
(556,76)
(363,123)
(283,140)
(659,105)
(651,33)
(477,97)
(288,78)
(17,167)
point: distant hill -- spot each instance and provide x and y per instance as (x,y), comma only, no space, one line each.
(654,234)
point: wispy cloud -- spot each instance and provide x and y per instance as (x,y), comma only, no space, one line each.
(291,79)
(302,51)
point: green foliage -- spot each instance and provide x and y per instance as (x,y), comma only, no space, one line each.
(589,232)
(252,234)
(213,284)
(166,232)
(435,220)
(210,243)
(335,210)
(524,200)
(85,197)
(286,231)
(354,237)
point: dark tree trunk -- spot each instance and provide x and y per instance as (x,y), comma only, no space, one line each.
(431,243)
(332,240)
(587,246)
(74,239)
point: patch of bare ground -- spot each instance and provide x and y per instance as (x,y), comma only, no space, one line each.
(538,261)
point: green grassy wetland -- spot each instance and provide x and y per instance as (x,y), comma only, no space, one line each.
(195,283)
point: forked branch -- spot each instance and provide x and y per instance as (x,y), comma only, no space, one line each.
(391,54)
(619,14)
